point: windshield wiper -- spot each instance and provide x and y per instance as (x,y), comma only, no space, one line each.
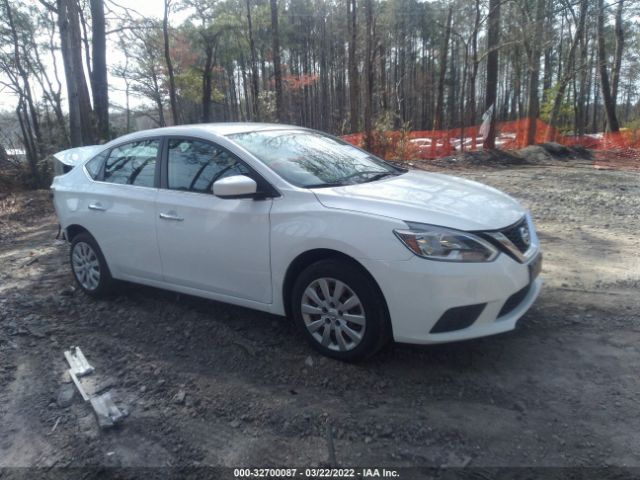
(377,175)
(328,184)
(382,175)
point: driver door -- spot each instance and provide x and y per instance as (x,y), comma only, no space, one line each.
(208,243)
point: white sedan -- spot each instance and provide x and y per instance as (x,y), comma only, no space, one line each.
(298,223)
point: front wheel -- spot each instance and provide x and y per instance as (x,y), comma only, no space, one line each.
(89,266)
(340,310)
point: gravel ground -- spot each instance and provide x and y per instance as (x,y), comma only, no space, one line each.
(211,384)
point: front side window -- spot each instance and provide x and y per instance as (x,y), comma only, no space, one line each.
(194,165)
(311,159)
(133,163)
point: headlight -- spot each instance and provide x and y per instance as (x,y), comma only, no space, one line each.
(444,244)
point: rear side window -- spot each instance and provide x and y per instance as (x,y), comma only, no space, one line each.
(195,165)
(94,166)
(133,163)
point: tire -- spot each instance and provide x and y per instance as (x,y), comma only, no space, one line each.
(89,266)
(349,324)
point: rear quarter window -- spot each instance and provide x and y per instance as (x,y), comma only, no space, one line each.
(94,166)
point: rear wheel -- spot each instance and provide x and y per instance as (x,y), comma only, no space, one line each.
(340,310)
(89,266)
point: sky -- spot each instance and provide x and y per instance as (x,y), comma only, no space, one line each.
(147,9)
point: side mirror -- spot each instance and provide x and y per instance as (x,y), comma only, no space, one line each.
(237,186)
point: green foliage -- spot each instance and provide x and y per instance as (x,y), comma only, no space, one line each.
(391,144)
(189,85)
(566,108)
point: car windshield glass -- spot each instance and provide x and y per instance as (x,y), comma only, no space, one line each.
(312,160)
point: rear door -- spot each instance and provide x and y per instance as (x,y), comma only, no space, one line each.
(208,243)
(120,208)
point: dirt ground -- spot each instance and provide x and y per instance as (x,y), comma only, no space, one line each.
(206,383)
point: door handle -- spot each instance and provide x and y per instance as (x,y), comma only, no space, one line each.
(168,216)
(96,206)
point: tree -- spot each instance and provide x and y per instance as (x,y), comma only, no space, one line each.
(475,63)
(568,72)
(26,110)
(205,35)
(277,68)
(534,73)
(80,113)
(491,95)
(99,84)
(420,65)
(437,123)
(46,74)
(368,77)
(167,56)
(607,97)
(353,65)
(255,89)
(146,51)
(617,62)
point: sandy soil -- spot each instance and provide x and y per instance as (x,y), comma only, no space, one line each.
(561,390)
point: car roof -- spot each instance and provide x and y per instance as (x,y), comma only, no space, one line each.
(222,129)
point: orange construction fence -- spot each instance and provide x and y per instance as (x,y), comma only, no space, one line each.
(430,144)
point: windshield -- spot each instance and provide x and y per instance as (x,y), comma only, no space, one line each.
(311,159)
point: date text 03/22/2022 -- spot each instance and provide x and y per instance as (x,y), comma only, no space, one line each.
(315,473)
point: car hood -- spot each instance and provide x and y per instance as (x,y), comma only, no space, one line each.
(430,198)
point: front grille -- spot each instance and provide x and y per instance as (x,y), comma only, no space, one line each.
(514,300)
(514,234)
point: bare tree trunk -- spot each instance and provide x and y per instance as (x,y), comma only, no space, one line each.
(247,100)
(368,68)
(452,92)
(51,92)
(277,68)
(463,92)
(609,103)
(534,74)
(206,85)
(263,69)
(585,86)
(167,56)
(99,84)
(437,121)
(234,100)
(493,38)
(254,66)
(80,114)
(84,38)
(157,97)
(617,62)
(353,66)
(383,78)
(326,92)
(596,101)
(127,94)
(28,141)
(473,74)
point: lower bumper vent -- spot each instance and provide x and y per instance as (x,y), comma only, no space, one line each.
(514,300)
(458,318)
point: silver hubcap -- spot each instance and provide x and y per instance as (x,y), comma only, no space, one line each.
(86,265)
(333,314)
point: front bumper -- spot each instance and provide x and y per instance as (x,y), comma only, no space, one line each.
(418,292)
